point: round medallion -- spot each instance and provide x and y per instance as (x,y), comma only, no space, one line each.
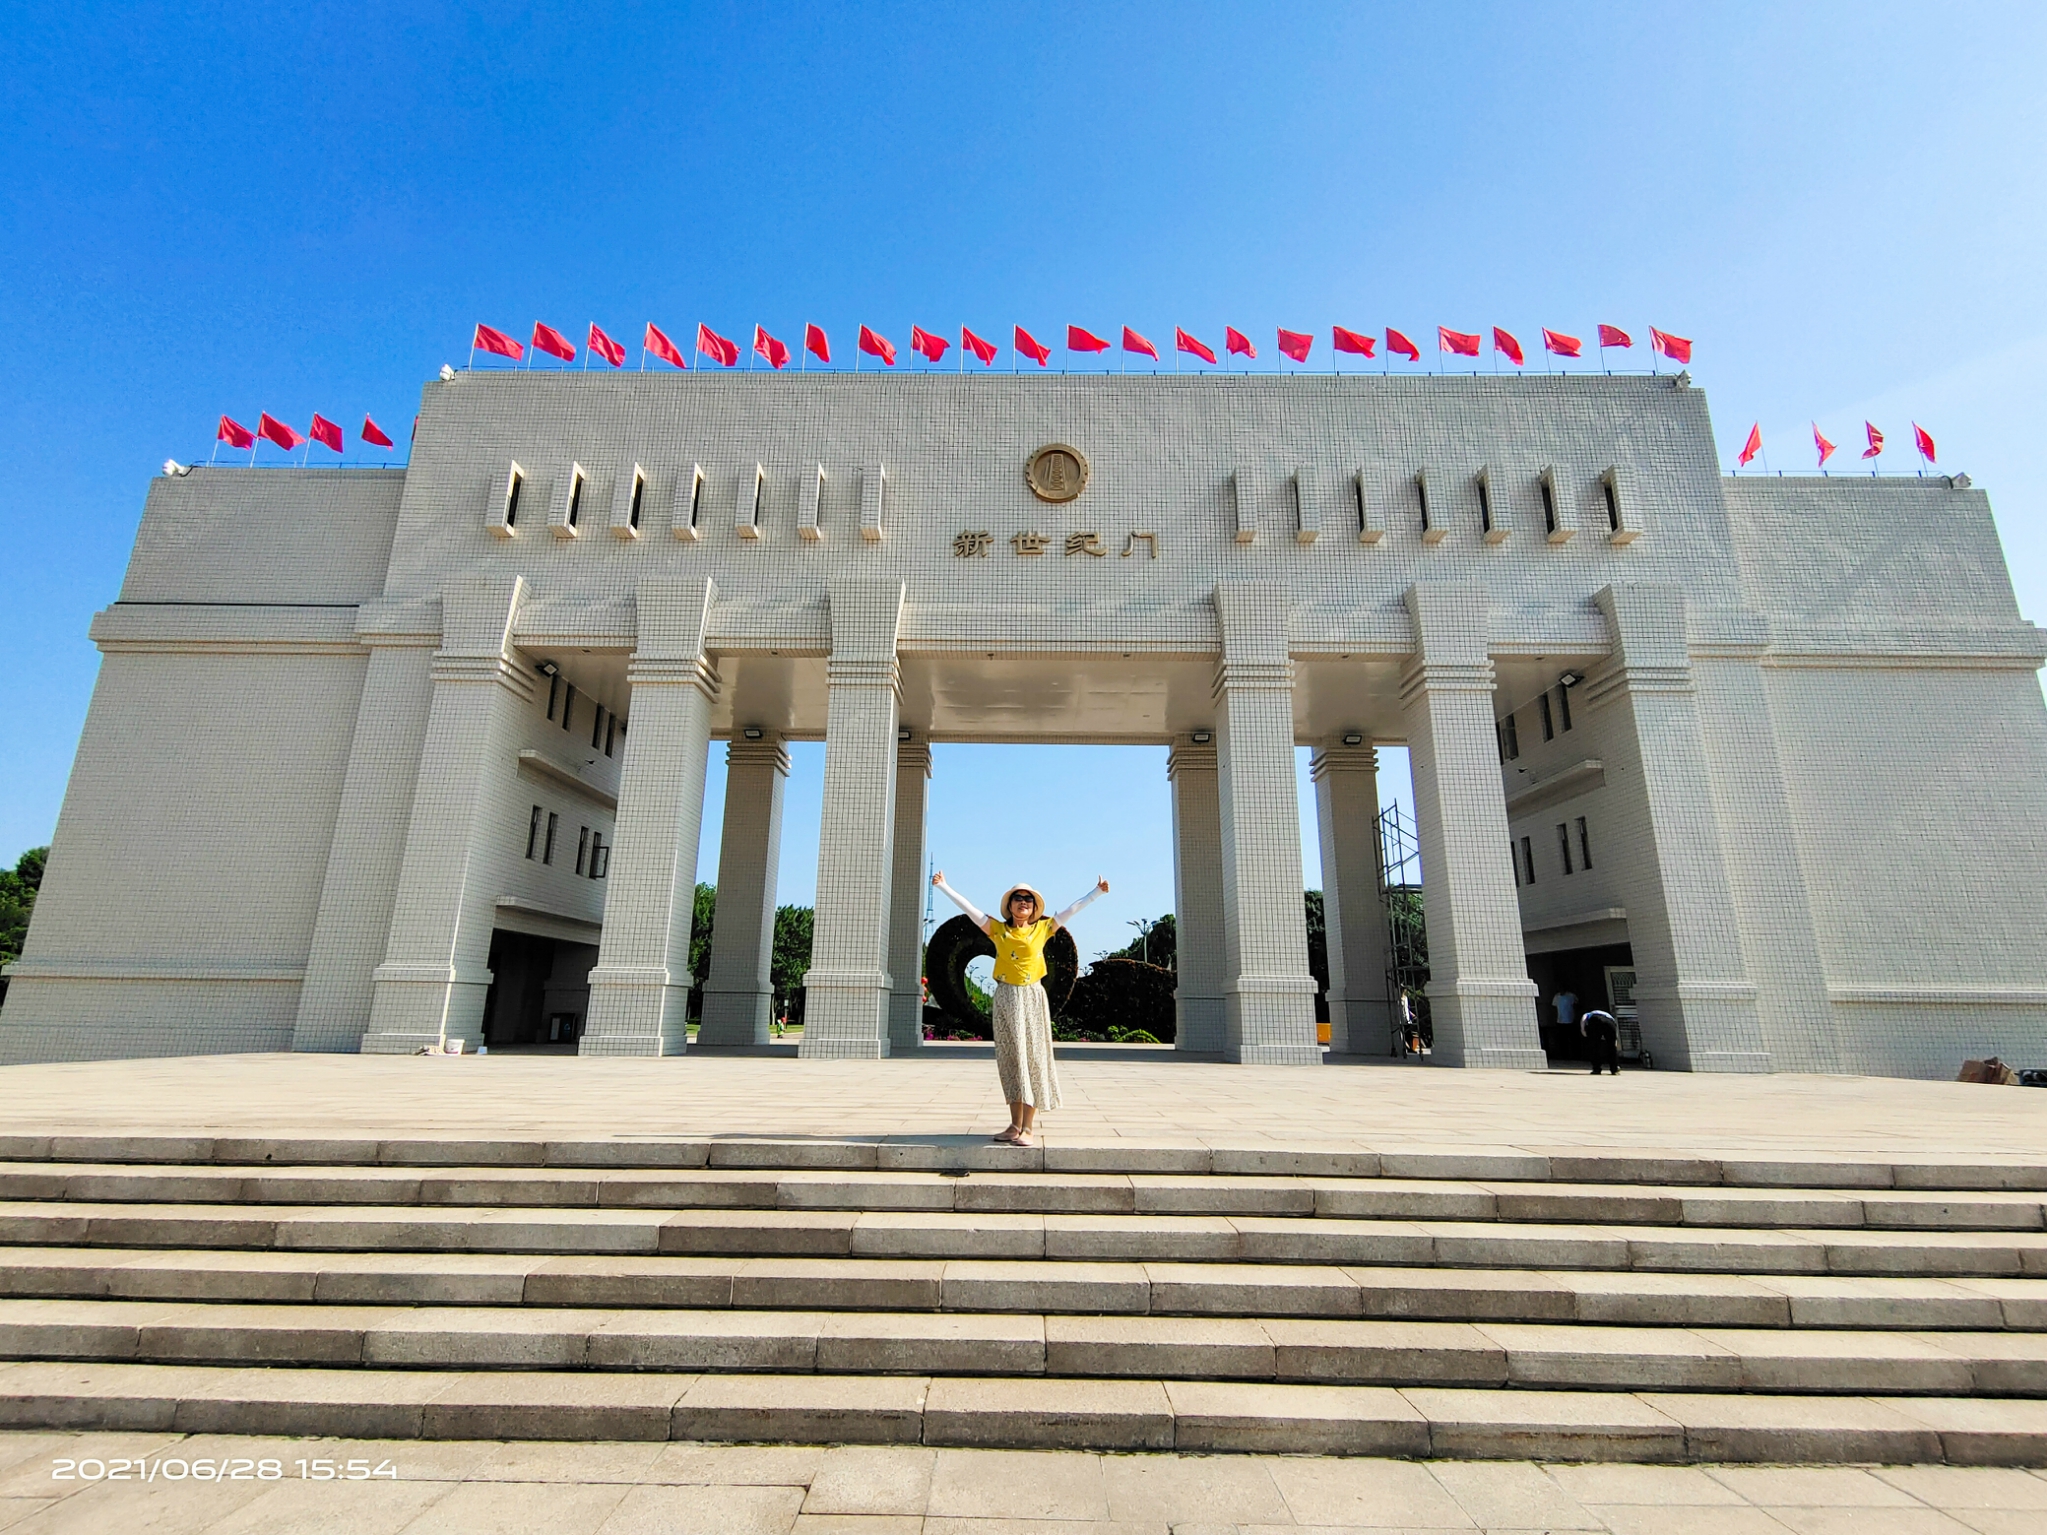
(1057,473)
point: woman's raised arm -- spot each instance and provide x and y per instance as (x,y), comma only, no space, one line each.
(980,918)
(1060,919)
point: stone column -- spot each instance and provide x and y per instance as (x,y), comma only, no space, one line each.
(639,990)
(367,855)
(1197,895)
(739,993)
(846,993)
(1481,1000)
(434,976)
(1268,991)
(1353,905)
(906,898)
(1696,1003)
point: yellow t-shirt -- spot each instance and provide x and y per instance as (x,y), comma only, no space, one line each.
(1020,951)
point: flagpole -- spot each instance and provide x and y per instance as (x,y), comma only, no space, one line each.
(471,364)
(803,363)
(216,451)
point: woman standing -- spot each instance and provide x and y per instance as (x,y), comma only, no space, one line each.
(1023,1016)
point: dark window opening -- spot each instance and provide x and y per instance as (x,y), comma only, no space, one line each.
(639,490)
(1564,707)
(1613,506)
(1421,491)
(1584,845)
(597,728)
(553,823)
(610,735)
(1549,729)
(582,847)
(1527,861)
(554,687)
(512,500)
(533,831)
(1510,739)
(575,500)
(1549,508)
(1564,845)
(1485,507)
(1358,488)
(600,856)
(568,705)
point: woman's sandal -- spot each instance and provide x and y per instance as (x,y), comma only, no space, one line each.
(1006,1138)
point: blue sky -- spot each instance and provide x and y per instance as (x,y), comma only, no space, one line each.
(214,210)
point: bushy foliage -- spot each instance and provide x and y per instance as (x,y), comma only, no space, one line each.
(18,888)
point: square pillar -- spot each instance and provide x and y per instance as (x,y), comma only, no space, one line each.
(434,976)
(1268,990)
(353,928)
(1197,894)
(906,898)
(1353,898)
(1481,1000)
(1696,1002)
(739,993)
(846,998)
(639,990)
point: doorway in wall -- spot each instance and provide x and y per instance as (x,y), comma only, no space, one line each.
(539,992)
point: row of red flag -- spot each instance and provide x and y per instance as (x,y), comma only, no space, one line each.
(1921,439)
(933,347)
(327,433)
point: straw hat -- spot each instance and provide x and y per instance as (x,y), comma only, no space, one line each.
(1002,906)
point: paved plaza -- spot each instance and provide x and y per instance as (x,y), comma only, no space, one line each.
(480,1487)
(1112,1095)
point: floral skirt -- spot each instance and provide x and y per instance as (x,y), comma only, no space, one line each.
(1023,1046)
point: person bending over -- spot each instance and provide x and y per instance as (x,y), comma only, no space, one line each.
(1023,1015)
(1600,1028)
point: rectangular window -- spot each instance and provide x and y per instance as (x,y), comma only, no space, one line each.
(600,855)
(610,735)
(554,687)
(513,486)
(1549,506)
(575,498)
(1564,845)
(1514,861)
(1421,491)
(639,494)
(1511,736)
(1485,505)
(1584,845)
(696,495)
(582,847)
(1613,505)
(568,705)
(1527,862)
(533,831)
(1549,729)
(553,822)
(597,729)
(1564,706)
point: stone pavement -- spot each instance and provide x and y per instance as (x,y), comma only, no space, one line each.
(688,1489)
(1114,1095)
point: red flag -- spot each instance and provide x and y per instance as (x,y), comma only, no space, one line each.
(1613,335)
(1508,347)
(1826,448)
(1351,341)
(1448,340)
(1239,343)
(605,347)
(985,350)
(1132,342)
(1676,348)
(1295,345)
(662,347)
(374,434)
(269,426)
(1188,344)
(1923,440)
(1078,340)
(720,347)
(489,340)
(234,434)
(921,340)
(814,342)
(776,352)
(1754,445)
(1395,342)
(1876,440)
(1561,344)
(551,341)
(877,346)
(325,432)
(1032,347)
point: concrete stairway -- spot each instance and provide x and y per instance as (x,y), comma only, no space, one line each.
(1429,1303)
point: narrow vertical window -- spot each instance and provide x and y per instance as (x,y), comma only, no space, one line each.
(575,499)
(610,735)
(597,852)
(533,831)
(1549,729)
(554,687)
(513,486)
(696,498)
(568,705)
(1513,737)
(1584,845)
(1527,861)
(1421,491)
(1564,706)
(1613,505)
(1549,506)
(1564,845)
(639,494)
(597,728)
(1485,506)
(553,823)
(1514,861)
(582,847)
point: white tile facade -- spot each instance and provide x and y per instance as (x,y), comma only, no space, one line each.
(1809,744)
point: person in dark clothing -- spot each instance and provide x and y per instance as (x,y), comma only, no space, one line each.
(1601,1030)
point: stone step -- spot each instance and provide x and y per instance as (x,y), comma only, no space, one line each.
(1431,1422)
(950,1234)
(1272,1349)
(983,1285)
(925,1154)
(1010,1192)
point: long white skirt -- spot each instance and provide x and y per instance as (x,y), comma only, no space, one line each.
(1023,1046)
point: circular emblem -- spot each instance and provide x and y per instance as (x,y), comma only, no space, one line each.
(1057,473)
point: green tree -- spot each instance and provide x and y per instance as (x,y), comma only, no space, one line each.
(18,888)
(791,957)
(1159,947)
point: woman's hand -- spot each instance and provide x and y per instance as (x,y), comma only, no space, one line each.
(938,877)
(1102,885)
